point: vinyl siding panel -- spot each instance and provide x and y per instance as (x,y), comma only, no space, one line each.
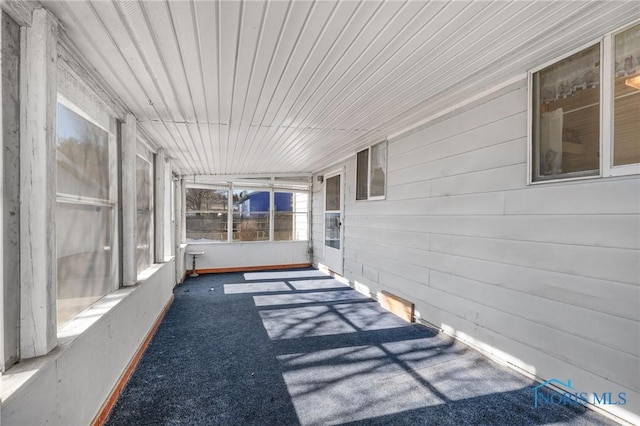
(609,297)
(545,277)
(471,151)
(595,262)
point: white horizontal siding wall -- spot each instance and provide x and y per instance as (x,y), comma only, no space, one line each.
(545,277)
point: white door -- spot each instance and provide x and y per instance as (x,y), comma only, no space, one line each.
(333,222)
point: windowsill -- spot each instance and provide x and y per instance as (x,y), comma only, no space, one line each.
(576,180)
(372,199)
(566,179)
(24,372)
(150,270)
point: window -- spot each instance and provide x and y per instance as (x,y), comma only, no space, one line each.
(144,208)
(85,211)
(207,211)
(291,221)
(585,121)
(626,103)
(362,175)
(371,172)
(280,213)
(251,214)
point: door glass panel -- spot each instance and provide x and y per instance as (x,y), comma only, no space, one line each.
(332,230)
(333,193)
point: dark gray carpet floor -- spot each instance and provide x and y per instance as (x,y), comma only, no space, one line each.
(300,348)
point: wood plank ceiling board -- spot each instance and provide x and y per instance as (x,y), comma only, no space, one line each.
(102,55)
(245,87)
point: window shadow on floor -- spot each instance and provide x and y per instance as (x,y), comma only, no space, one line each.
(294,347)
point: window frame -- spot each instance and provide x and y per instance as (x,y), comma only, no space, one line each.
(294,213)
(241,186)
(369,150)
(606,113)
(608,168)
(112,202)
(220,187)
(271,189)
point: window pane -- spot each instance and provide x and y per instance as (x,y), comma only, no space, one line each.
(290,216)
(207,211)
(82,156)
(143,240)
(143,184)
(332,230)
(626,140)
(83,235)
(250,215)
(144,206)
(333,193)
(378,169)
(566,132)
(362,173)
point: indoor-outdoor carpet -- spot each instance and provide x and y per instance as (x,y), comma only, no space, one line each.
(300,348)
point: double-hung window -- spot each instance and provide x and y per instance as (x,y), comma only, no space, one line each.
(585,111)
(86,196)
(371,172)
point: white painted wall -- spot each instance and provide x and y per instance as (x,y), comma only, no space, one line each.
(545,277)
(249,254)
(69,385)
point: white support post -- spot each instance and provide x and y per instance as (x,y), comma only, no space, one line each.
(129,207)
(2,283)
(177,232)
(230,213)
(168,205)
(272,216)
(159,210)
(38,261)
(183,211)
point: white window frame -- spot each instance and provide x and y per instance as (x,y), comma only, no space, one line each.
(273,211)
(113,202)
(369,160)
(219,187)
(271,188)
(608,169)
(607,61)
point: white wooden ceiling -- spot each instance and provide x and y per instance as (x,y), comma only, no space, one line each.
(256,87)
